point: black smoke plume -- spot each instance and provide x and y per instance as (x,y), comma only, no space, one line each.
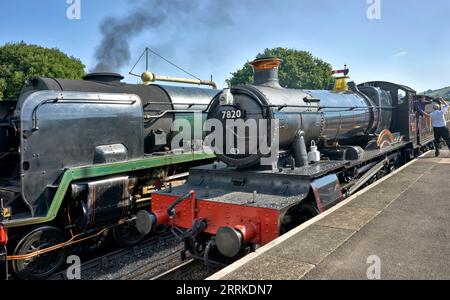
(173,18)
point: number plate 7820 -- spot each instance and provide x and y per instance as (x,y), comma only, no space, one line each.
(232,114)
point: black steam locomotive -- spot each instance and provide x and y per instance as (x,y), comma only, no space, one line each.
(227,209)
(79,158)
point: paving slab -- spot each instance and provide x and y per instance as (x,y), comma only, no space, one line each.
(349,217)
(407,247)
(313,244)
(268,267)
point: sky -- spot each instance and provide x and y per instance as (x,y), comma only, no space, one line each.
(405,41)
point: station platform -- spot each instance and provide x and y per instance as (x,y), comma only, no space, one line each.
(403,219)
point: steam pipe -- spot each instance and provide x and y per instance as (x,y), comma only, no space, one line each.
(148,77)
(180,199)
(210,244)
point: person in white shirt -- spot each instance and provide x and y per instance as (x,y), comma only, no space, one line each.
(440,124)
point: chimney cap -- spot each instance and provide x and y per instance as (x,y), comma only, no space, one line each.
(267,62)
(103,76)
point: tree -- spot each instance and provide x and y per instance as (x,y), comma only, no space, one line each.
(18,61)
(300,69)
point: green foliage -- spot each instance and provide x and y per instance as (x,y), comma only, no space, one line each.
(19,61)
(300,69)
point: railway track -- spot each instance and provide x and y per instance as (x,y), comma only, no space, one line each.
(189,270)
(178,271)
(152,269)
(157,258)
(161,252)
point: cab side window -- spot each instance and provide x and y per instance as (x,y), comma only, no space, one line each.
(402,97)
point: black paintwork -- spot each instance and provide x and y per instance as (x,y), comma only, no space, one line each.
(67,135)
(58,124)
(400,119)
(155,98)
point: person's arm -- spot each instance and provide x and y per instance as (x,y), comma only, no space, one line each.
(417,108)
(443,102)
(426,115)
(421,111)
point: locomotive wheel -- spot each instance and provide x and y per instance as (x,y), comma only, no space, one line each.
(298,216)
(307,212)
(43,265)
(127,234)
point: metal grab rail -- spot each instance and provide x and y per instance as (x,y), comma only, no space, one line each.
(72,101)
(165,112)
(175,103)
(281,106)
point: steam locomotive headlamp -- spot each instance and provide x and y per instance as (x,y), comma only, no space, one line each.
(226,97)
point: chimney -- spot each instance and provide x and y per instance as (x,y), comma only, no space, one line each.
(265,71)
(103,77)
